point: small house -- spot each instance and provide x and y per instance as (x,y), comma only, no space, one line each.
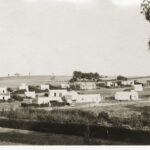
(41,100)
(44,87)
(30,94)
(24,87)
(65,85)
(73,94)
(126,95)
(109,84)
(5,96)
(3,90)
(87,85)
(127,83)
(138,87)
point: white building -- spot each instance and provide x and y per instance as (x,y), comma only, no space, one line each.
(73,94)
(87,85)
(5,96)
(57,93)
(24,87)
(3,90)
(44,87)
(83,98)
(128,82)
(138,87)
(30,94)
(65,85)
(109,84)
(125,95)
(41,100)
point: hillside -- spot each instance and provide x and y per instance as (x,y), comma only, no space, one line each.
(14,81)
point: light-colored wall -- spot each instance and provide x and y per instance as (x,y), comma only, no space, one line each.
(89,98)
(126,96)
(3,90)
(4,97)
(138,87)
(44,87)
(30,94)
(24,87)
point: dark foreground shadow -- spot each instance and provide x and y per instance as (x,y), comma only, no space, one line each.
(35,138)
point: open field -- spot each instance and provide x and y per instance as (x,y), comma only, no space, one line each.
(14,82)
(121,109)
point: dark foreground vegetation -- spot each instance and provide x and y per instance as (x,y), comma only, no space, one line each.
(133,130)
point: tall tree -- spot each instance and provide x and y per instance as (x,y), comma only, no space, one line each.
(145,9)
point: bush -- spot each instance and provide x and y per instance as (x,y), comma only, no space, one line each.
(19,92)
(135,121)
(36,89)
(17,97)
(54,116)
(9,90)
(103,115)
(55,103)
(117,122)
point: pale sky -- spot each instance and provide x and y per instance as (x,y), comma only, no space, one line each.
(60,36)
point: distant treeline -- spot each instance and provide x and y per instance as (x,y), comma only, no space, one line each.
(78,76)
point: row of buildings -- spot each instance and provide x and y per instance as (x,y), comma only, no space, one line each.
(69,96)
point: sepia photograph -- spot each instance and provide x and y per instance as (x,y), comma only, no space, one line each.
(74,73)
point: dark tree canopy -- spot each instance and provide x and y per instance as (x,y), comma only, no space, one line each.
(145,9)
(77,75)
(121,78)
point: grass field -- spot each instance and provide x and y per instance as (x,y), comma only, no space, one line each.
(14,82)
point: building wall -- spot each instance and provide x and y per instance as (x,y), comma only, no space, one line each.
(44,87)
(126,96)
(30,94)
(57,93)
(89,98)
(4,97)
(3,90)
(24,87)
(64,86)
(87,86)
(41,100)
(138,87)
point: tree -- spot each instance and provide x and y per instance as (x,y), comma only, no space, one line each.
(121,78)
(145,10)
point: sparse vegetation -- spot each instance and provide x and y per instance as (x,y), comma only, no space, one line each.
(17,97)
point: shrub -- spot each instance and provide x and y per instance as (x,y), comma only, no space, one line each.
(36,89)
(17,97)
(19,92)
(103,115)
(9,89)
(116,122)
(135,121)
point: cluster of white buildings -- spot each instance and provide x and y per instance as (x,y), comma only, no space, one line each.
(67,96)
(60,95)
(72,96)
